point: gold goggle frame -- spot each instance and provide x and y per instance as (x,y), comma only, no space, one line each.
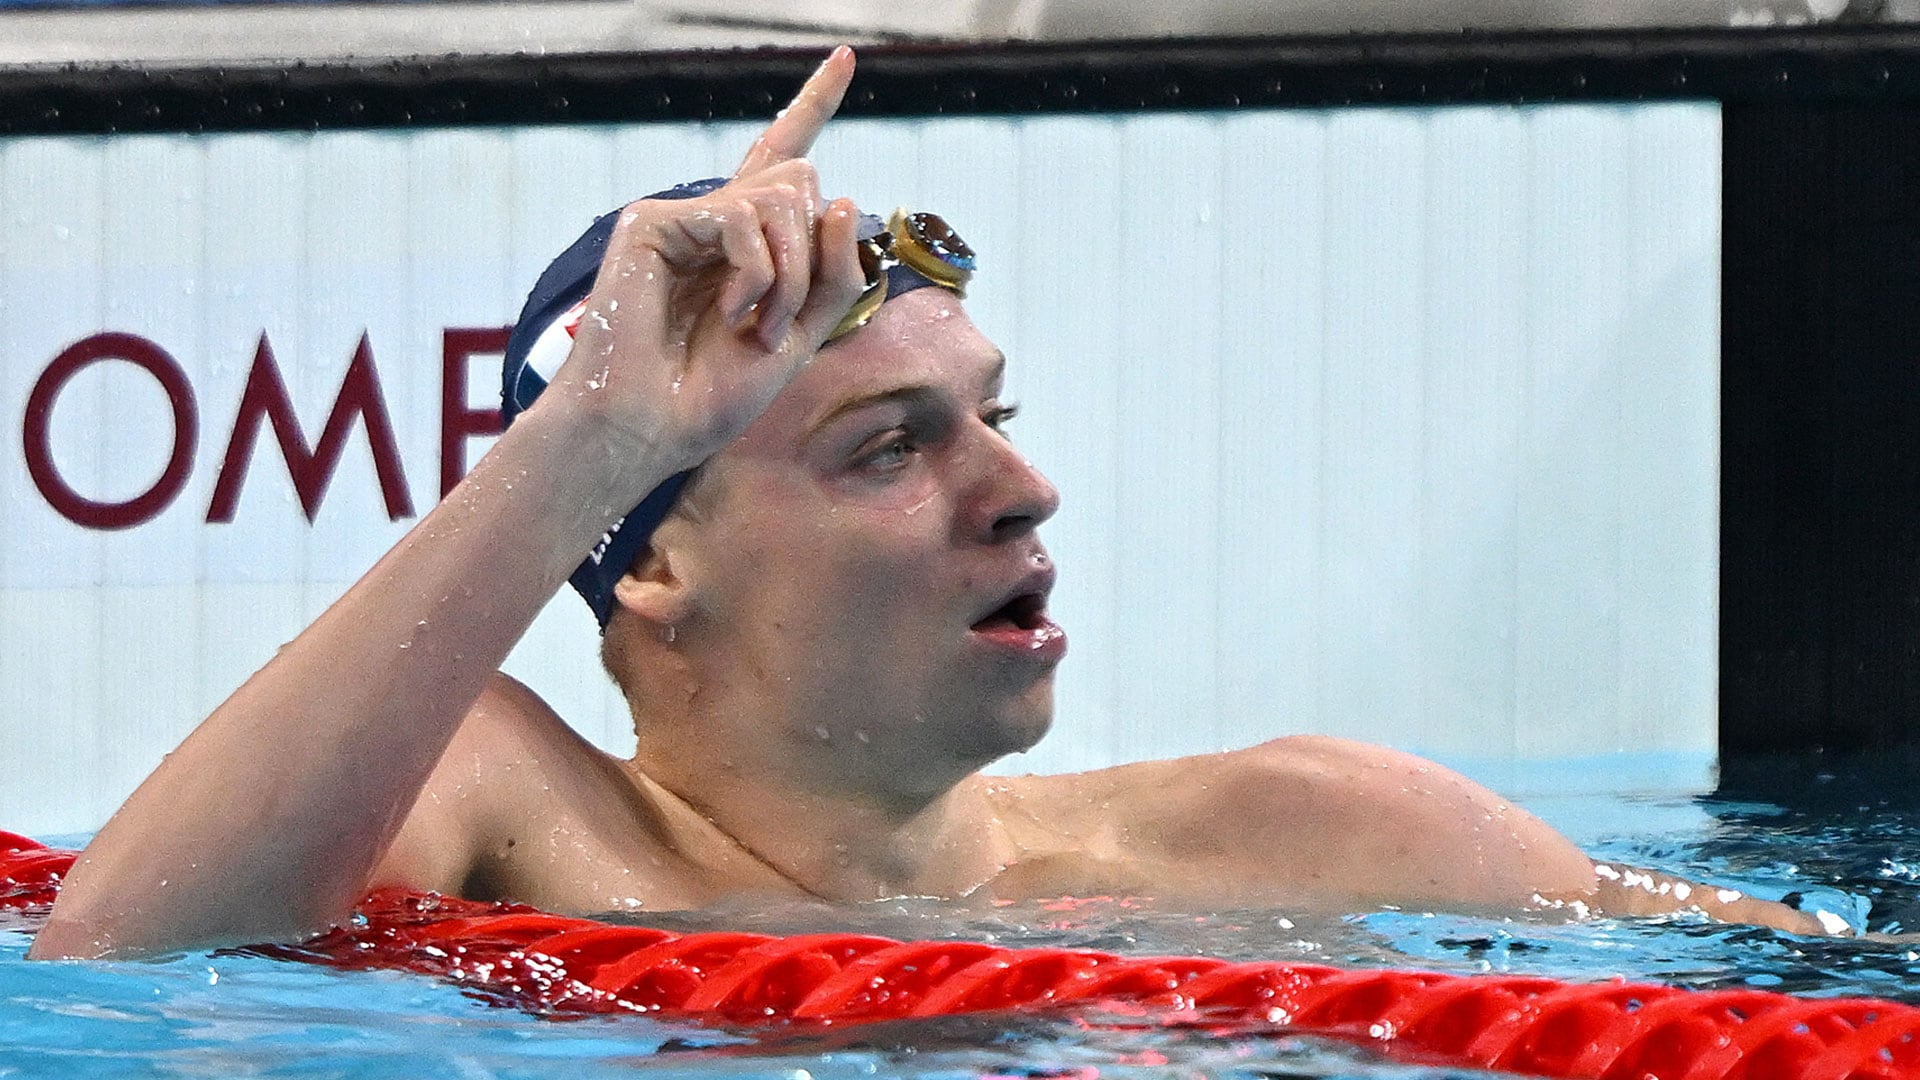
(921,242)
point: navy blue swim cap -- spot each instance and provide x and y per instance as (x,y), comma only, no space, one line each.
(543,336)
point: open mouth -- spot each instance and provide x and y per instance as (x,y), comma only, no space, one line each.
(1028,611)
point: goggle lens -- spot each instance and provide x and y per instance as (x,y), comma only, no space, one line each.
(924,243)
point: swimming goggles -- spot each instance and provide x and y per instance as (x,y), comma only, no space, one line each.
(922,244)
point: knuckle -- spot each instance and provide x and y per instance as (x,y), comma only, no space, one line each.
(781,201)
(795,167)
(753,284)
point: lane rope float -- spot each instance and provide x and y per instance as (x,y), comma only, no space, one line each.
(519,956)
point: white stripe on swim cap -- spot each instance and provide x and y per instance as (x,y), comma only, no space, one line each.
(550,349)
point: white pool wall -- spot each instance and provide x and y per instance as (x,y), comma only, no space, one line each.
(1393,423)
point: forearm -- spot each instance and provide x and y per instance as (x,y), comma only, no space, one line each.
(1627,890)
(267,821)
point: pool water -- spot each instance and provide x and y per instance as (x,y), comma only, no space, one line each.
(1844,833)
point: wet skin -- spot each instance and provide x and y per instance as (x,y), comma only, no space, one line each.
(842,621)
(814,686)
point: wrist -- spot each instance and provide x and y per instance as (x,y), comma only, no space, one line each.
(586,457)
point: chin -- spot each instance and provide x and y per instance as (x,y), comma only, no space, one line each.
(1024,722)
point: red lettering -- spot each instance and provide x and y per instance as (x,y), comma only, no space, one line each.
(458,423)
(265,398)
(37,440)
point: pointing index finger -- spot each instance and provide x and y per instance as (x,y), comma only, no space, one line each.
(792,133)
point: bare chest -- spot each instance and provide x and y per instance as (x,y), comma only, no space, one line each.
(601,855)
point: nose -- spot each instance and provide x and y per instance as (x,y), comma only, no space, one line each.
(1012,497)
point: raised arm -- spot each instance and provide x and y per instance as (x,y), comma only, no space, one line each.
(266,823)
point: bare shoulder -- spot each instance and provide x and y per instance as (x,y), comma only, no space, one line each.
(510,726)
(1329,822)
(509,749)
(1342,825)
(1317,773)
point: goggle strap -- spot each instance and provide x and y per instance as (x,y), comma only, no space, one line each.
(862,310)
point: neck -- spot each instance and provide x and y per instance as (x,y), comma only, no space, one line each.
(837,840)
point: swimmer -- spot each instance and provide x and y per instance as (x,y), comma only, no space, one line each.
(830,629)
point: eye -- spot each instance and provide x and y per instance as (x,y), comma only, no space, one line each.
(887,452)
(998,416)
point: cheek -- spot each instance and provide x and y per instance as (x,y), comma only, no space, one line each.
(872,568)
(820,552)
(879,497)
(882,557)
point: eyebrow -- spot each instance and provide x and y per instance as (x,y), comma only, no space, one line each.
(915,394)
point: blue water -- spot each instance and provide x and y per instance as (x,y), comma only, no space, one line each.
(1844,834)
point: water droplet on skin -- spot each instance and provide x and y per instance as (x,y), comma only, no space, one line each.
(822,733)
(863,738)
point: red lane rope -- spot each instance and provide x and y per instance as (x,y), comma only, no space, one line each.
(1520,1024)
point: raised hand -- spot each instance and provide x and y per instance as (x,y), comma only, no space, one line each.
(705,308)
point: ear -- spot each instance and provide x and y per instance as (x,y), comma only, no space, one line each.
(653,589)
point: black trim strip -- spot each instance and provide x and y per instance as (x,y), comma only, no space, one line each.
(1820,427)
(1832,63)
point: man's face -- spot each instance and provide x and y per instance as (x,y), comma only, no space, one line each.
(865,558)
